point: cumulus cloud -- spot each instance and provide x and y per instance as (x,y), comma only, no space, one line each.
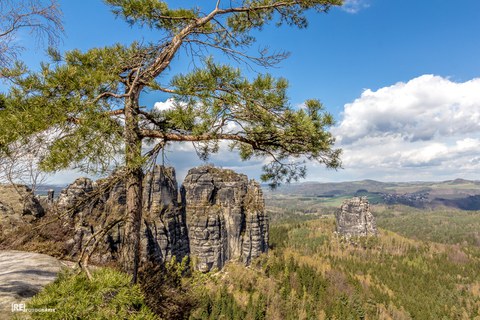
(429,123)
(164,105)
(424,108)
(353,6)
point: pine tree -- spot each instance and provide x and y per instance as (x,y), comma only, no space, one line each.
(88,102)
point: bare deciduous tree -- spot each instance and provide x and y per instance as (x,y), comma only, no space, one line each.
(42,19)
(39,17)
(20,164)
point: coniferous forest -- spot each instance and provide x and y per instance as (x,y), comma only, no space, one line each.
(311,273)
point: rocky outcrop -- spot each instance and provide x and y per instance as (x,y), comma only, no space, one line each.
(18,206)
(92,206)
(19,200)
(74,193)
(164,228)
(225,217)
(255,238)
(355,219)
(220,216)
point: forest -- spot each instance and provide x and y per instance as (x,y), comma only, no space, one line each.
(429,272)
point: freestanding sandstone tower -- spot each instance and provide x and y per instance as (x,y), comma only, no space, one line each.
(355,219)
(226,217)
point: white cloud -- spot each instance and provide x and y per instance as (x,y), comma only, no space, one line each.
(421,109)
(428,127)
(353,6)
(162,106)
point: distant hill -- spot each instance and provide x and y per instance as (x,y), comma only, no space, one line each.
(458,193)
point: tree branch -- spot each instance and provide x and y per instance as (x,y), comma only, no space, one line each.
(146,133)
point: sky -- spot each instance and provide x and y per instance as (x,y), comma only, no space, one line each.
(401,78)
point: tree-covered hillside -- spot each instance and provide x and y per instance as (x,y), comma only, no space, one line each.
(311,273)
(458,193)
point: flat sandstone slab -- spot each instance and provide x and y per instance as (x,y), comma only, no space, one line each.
(22,275)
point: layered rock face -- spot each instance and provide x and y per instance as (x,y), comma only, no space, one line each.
(92,206)
(164,219)
(221,217)
(226,217)
(355,219)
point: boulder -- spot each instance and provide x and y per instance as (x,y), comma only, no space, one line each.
(355,219)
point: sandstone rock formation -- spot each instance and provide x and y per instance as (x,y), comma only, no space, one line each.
(91,206)
(355,219)
(18,206)
(19,200)
(226,218)
(220,216)
(75,192)
(164,226)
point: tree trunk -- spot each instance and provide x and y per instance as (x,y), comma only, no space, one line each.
(130,253)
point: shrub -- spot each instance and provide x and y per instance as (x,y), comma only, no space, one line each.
(109,295)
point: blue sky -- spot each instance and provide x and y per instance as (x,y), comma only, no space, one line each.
(398,76)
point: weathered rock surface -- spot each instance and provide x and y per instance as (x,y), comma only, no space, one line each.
(164,226)
(226,219)
(164,232)
(355,219)
(75,192)
(19,200)
(18,206)
(255,239)
(22,275)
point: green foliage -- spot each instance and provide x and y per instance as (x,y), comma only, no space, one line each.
(220,306)
(291,14)
(166,292)
(154,14)
(219,94)
(311,273)
(87,105)
(63,102)
(77,97)
(443,225)
(109,295)
(252,14)
(2,101)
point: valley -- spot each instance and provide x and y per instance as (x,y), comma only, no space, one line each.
(422,265)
